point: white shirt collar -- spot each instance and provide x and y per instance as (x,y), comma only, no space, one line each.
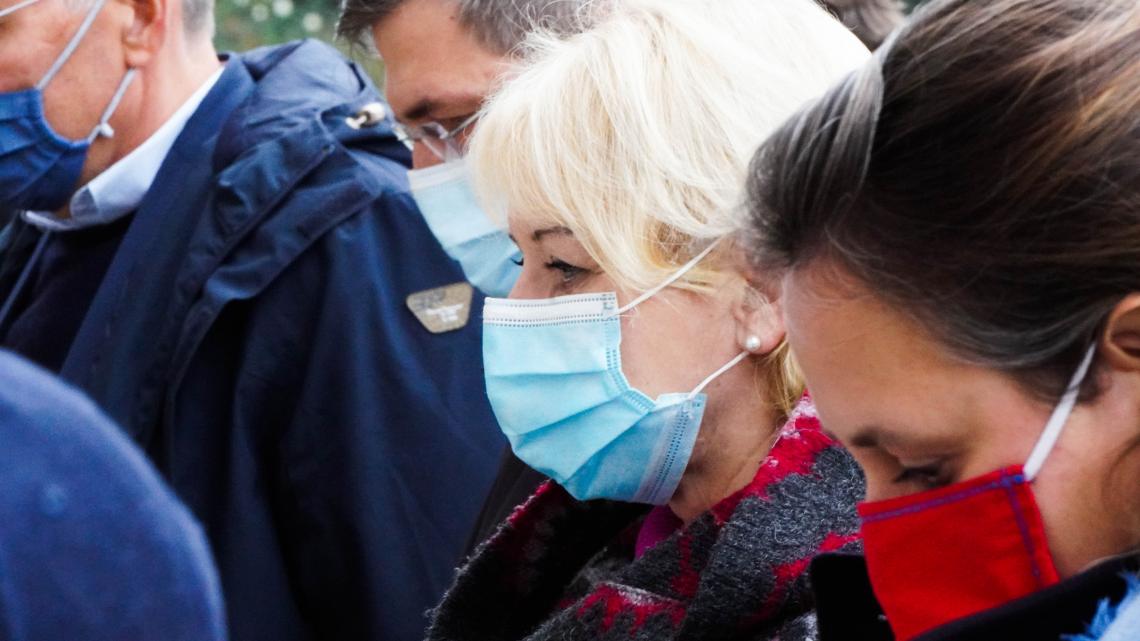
(121,188)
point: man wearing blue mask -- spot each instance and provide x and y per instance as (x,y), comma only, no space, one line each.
(223,254)
(442,59)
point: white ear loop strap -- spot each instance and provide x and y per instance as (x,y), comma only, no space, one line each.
(72,45)
(717,374)
(16,7)
(104,129)
(686,268)
(1058,419)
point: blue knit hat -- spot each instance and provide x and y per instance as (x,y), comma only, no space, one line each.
(93,545)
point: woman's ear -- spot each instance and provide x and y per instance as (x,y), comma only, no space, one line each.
(1120,342)
(759,323)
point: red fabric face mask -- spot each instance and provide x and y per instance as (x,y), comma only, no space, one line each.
(944,554)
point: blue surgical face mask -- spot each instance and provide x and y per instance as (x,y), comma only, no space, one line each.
(39,169)
(489,258)
(554,378)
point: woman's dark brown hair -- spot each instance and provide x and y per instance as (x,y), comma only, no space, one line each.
(981,174)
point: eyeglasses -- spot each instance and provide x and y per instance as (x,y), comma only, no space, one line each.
(435,137)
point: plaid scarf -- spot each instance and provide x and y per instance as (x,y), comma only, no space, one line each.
(564,570)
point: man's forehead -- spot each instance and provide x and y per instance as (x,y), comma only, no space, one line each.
(435,67)
(427,92)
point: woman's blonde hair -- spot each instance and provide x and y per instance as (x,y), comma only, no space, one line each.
(636,134)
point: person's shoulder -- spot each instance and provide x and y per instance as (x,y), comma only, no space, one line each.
(298,82)
(299,111)
(317,127)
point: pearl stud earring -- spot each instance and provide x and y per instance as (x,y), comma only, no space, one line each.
(752,344)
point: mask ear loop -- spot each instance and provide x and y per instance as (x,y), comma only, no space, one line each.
(72,45)
(686,268)
(738,359)
(1058,419)
(16,7)
(103,128)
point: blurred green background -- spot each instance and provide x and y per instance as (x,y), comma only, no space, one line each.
(244,24)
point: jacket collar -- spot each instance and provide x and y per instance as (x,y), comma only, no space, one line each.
(208,232)
(119,190)
(111,355)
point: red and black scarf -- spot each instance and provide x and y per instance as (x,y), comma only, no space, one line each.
(564,570)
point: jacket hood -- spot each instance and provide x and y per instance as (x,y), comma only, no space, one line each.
(295,83)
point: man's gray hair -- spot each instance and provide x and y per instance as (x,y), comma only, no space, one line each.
(500,25)
(198,17)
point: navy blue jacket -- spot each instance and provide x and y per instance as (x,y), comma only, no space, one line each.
(252,335)
(93,545)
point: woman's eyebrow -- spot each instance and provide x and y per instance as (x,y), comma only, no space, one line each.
(539,234)
(871,436)
(867,436)
(899,438)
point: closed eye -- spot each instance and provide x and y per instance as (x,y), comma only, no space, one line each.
(565,270)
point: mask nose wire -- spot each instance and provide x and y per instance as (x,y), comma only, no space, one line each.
(1058,419)
(72,45)
(686,268)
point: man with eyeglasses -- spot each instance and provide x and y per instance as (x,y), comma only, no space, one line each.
(223,254)
(442,58)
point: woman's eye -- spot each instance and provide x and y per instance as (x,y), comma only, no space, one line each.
(929,476)
(566,271)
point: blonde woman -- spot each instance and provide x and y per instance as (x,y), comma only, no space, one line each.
(632,364)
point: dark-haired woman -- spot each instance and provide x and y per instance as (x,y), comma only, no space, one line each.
(958,231)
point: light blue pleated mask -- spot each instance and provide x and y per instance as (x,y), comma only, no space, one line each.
(486,253)
(554,379)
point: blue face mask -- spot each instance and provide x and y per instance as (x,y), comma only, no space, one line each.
(488,256)
(39,169)
(554,378)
